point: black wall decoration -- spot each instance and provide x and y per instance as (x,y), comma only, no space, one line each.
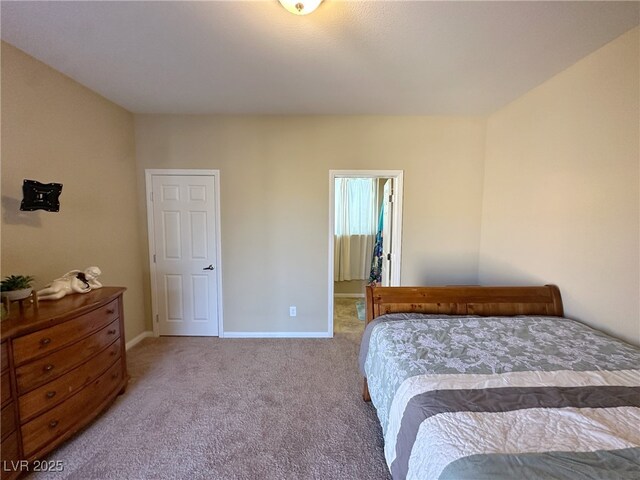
(40,196)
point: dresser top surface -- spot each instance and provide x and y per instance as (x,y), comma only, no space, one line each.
(51,312)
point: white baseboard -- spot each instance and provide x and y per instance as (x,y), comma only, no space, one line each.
(349,295)
(277,335)
(133,342)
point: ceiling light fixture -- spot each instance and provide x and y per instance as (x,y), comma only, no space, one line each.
(300,7)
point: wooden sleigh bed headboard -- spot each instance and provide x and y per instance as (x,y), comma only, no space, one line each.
(465,300)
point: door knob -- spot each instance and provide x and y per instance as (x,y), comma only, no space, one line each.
(210,267)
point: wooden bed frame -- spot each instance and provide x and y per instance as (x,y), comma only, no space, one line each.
(463,300)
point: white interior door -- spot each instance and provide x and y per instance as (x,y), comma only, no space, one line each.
(185,240)
(387,222)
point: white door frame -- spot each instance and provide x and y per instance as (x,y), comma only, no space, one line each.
(149,173)
(396,235)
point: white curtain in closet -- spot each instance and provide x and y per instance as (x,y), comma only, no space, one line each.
(355,229)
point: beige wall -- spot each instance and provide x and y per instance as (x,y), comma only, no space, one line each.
(560,203)
(561,199)
(350,287)
(275,200)
(55,130)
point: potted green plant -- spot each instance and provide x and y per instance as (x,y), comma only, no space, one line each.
(16,287)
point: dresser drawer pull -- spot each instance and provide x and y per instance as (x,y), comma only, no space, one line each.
(45,341)
(50,394)
(48,367)
(53,423)
(114,376)
(111,311)
(112,331)
(112,353)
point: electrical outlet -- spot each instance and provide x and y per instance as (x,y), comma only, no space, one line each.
(292,311)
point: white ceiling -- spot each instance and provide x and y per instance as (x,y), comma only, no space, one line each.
(371,57)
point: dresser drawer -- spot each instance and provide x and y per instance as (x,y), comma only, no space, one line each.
(49,339)
(4,357)
(50,425)
(56,391)
(9,454)
(8,419)
(44,370)
(5,387)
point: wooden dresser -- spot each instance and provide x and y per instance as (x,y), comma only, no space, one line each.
(61,366)
(9,447)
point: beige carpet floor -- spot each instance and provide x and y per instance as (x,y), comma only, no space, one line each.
(209,408)
(345,316)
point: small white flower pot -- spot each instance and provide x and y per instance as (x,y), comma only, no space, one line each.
(14,295)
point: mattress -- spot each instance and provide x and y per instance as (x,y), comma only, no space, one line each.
(503,397)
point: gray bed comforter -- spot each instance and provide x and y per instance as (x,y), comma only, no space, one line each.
(503,398)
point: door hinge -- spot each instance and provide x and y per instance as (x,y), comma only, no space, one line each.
(391,198)
(388,256)
(157,319)
(152,196)
(154,258)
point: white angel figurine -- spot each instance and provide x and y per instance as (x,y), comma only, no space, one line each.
(75,281)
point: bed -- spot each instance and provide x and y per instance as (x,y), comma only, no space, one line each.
(494,383)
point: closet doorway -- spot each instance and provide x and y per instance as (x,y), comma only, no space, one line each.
(365,239)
